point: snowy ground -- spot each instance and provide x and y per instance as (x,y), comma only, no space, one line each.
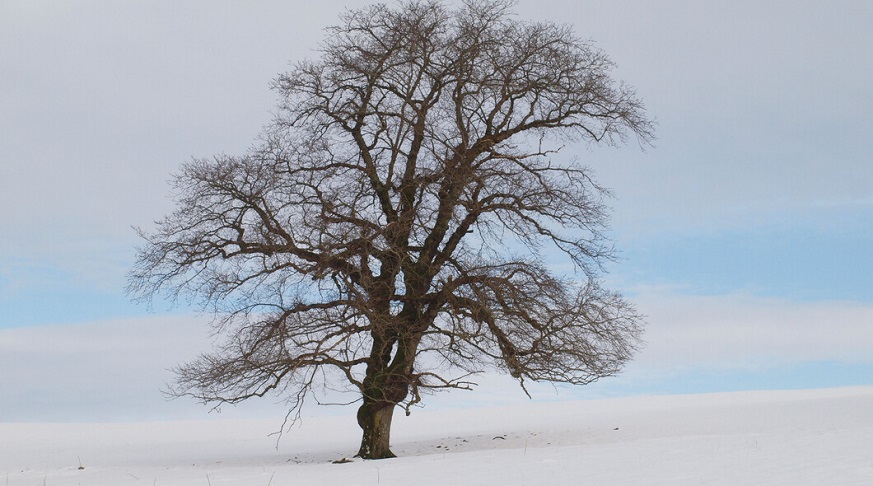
(818,437)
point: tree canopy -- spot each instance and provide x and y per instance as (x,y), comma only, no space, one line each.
(389,231)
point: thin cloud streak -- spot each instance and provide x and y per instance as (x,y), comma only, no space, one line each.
(739,331)
(114,370)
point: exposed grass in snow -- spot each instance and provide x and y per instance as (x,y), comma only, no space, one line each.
(793,438)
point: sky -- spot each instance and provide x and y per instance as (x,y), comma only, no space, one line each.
(744,232)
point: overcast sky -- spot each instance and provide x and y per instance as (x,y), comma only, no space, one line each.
(745,231)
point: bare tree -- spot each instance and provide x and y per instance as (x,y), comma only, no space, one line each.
(388,231)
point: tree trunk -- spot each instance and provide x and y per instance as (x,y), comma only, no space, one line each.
(386,384)
(375,420)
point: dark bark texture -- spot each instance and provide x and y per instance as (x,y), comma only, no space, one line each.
(387,234)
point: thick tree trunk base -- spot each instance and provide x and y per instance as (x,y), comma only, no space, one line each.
(375,421)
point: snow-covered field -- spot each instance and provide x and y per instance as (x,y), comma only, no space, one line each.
(817,437)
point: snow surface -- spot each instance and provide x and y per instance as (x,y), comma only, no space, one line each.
(815,437)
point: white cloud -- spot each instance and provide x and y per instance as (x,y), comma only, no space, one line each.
(738,331)
(114,370)
(97,371)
